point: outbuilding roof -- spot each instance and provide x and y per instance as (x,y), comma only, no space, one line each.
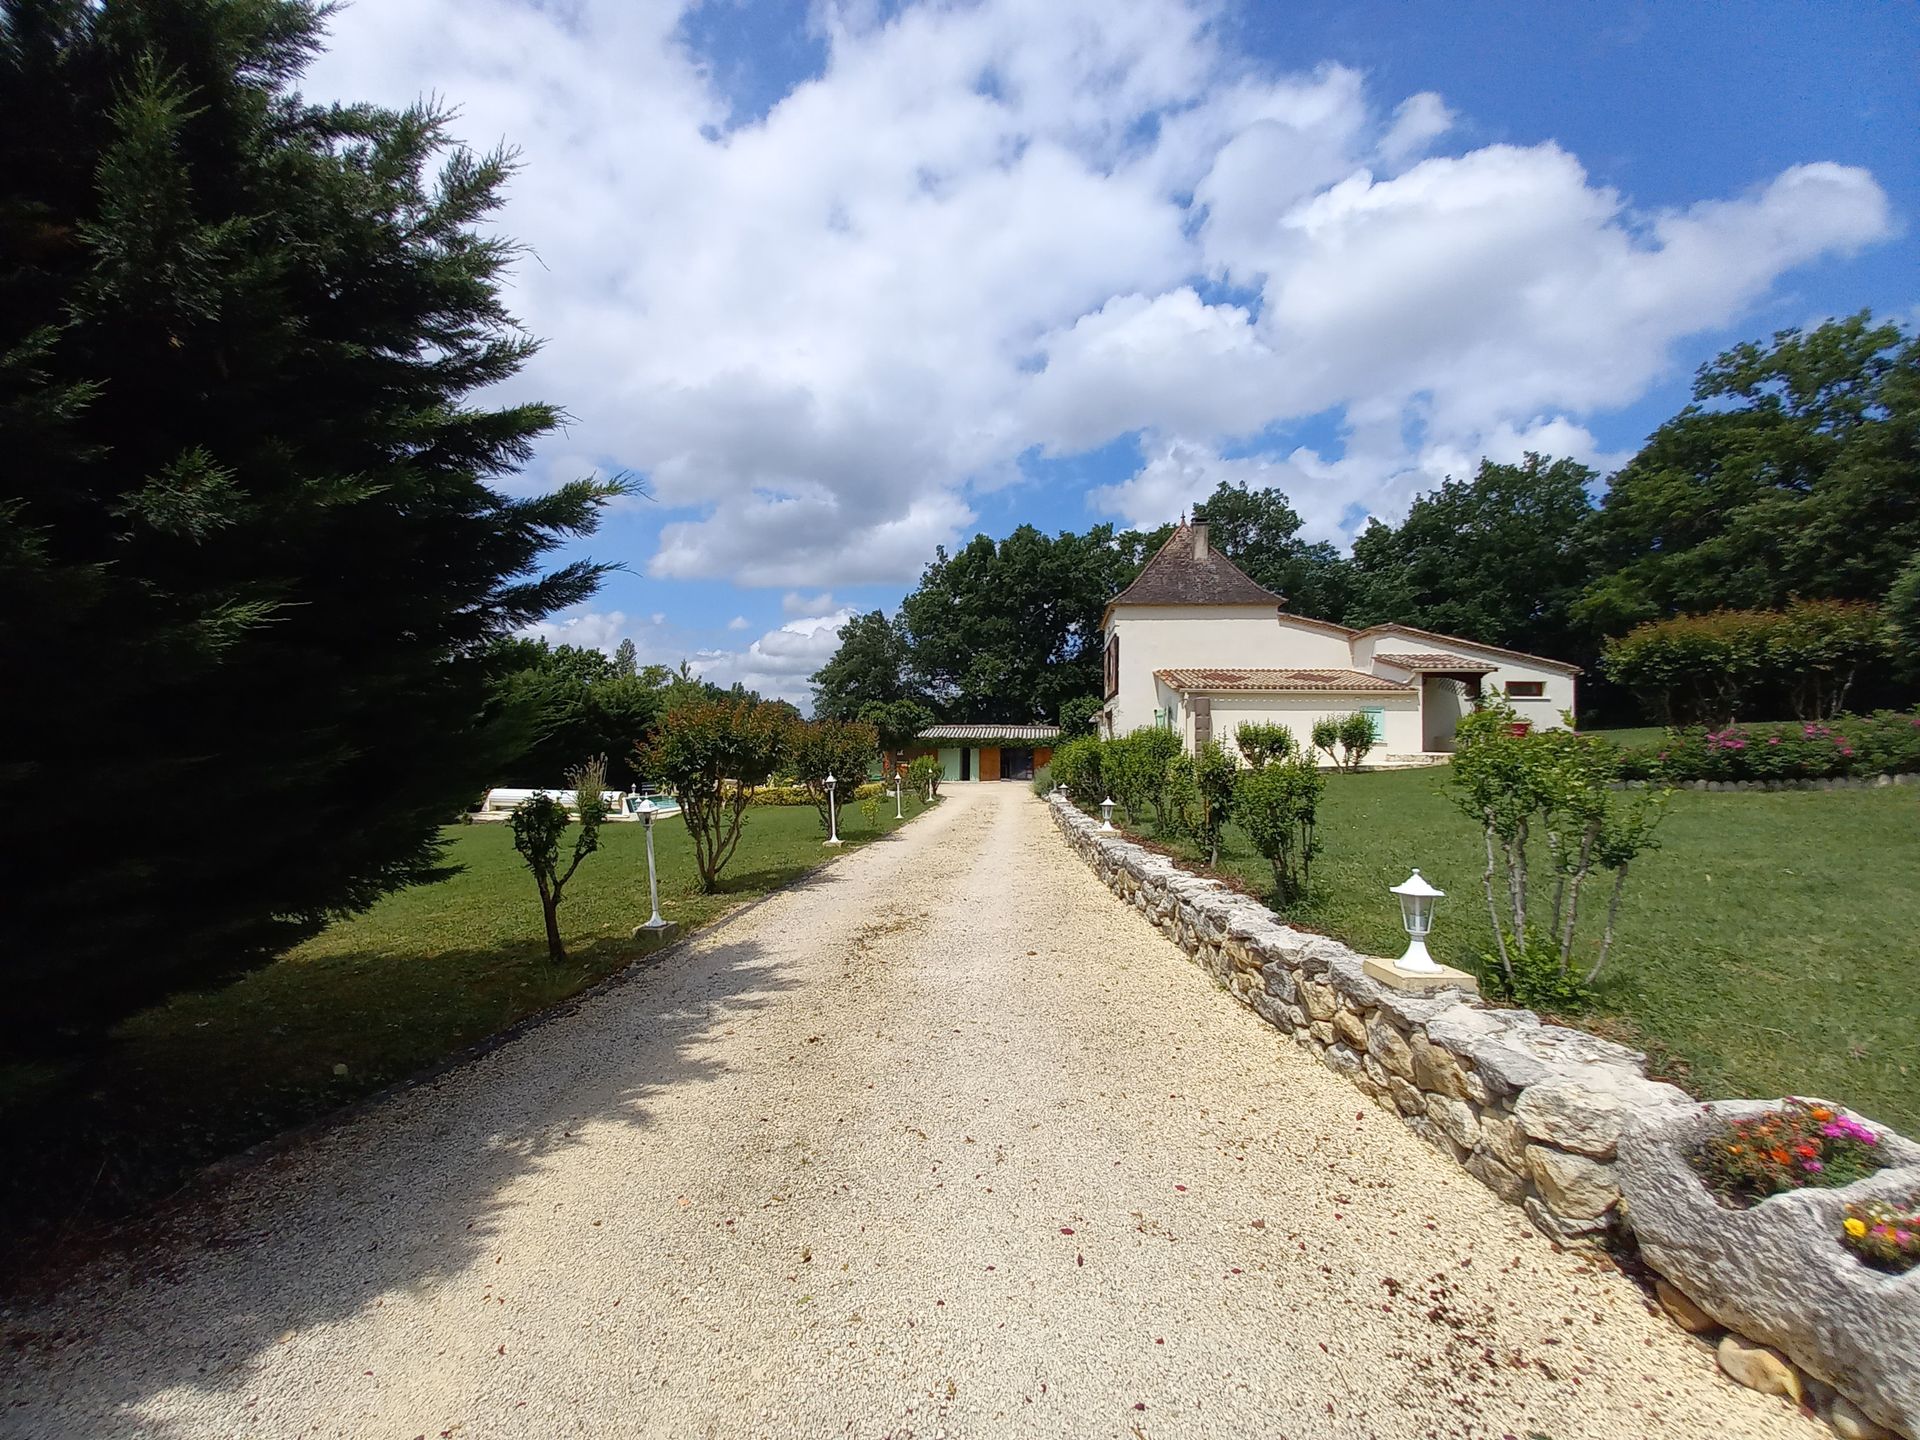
(990,734)
(1430,660)
(1348,682)
(1187,571)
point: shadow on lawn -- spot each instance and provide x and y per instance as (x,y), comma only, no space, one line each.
(394,1197)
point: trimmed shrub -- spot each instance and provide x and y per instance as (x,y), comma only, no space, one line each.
(1326,737)
(1699,669)
(1134,769)
(1356,741)
(1076,765)
(1042,780)
(924,776)
(1260,742)
(1278,806)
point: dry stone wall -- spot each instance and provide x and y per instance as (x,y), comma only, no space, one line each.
(1537,1113)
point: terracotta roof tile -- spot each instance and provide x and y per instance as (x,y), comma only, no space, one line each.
(1432,660)
(1351,682)
(990,733)
(1408,630)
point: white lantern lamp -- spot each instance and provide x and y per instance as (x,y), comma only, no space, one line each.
(896,794)
(833,815)
(1417,898)
(1106,815)
(646,810)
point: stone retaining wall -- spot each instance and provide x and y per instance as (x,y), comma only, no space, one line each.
(1535,1112)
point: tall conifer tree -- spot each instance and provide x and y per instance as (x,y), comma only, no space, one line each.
(249,551)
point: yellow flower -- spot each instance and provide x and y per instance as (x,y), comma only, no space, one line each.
(1855,1228)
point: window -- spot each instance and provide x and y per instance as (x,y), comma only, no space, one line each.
(1377,719)
(1113,664)
(1526,689)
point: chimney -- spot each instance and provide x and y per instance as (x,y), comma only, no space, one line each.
(1199,534)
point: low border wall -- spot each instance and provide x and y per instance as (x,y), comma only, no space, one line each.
(1535,1112)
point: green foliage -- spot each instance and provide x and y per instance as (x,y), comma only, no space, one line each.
(844,749)
(1278,805)
(1206,794)
(1077,714)
(1886,742)
(245,355)
(715,754)
(924,775)
(1903,619)
(897,723)
(1134,770)
(1260,742)
(1043,780)
(1010,630)
(626,660)
(1795,472)
(1798,1145)
(1556,787)
(1356,741)
(870,668)
(568,701)
(1326,736)
(1500,558)
(1076,765)
(539,823)
(1702,668)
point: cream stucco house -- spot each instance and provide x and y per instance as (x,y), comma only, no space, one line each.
(1196,646)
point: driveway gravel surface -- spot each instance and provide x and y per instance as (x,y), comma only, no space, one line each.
(943,1141)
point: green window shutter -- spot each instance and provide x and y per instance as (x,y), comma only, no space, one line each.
(1377,718)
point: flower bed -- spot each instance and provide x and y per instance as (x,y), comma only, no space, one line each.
(1800,1144)
(1886,742)
(1885,1235)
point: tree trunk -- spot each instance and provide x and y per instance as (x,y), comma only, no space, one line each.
(556,951)
(1613,911)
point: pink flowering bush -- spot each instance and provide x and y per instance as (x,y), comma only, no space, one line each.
(1802,1143)
(1886,742)
(1886,1236)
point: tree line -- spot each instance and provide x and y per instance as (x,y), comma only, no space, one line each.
(1792,476)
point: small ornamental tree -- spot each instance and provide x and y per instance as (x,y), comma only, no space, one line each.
(1134,768)
(1200,795)
(1261,742)
(715,754)
(1356,741)
(1553,788)
(1278,806)
(539,823)
(1326,737)
(924,776)
(840,748)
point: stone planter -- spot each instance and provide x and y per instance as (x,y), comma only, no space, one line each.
(1777,1272)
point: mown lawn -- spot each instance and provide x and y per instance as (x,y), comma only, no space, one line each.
(1768,945)
(423,974)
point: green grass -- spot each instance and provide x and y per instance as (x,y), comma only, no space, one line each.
(425,973)
(1767,945)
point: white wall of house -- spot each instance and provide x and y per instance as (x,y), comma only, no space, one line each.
(1175,637)
(1543,711)
(1399,717)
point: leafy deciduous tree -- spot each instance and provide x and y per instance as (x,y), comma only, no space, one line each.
(539,823)
(715,754)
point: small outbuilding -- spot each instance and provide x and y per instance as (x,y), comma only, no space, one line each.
(984,752)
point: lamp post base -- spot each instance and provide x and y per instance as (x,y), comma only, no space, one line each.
(1441,977)
(833,842)
(661,928)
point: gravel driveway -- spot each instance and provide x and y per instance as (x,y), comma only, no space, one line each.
(942,1141)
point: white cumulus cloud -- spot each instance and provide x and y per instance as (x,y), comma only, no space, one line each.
(988,230)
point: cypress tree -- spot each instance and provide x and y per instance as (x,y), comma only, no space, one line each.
(250,555)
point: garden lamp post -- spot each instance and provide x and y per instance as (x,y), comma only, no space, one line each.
(645,810)
(833,817)
(1106,815)
(1416,913)
(896,794)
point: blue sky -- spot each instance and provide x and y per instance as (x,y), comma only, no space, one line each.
(847,281)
